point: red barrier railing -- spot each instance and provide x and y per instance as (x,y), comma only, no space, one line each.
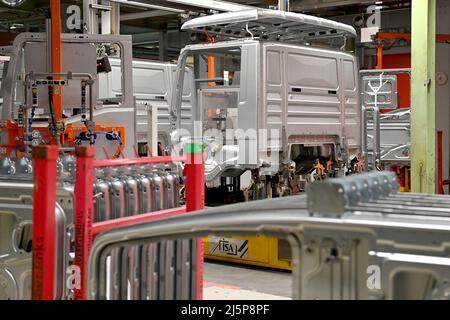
(44,222)
(85,229)
(137,161)
(103,226)
(84,213)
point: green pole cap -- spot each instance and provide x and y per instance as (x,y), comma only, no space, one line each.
(194,148)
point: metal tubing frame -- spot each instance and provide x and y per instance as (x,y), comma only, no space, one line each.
(386,71)
(178,81)
(15,52)
(29,77)
(103,226)
(376,118)
(44,223)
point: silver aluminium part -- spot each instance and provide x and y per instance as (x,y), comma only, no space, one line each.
(339,231)
(271,25)
(308,94)
(124,42)
(118,193)
(152,90)
(385,136)
(120,114)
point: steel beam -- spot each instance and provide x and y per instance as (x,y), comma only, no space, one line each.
(307,5)
(211,5)
(139,4)
(423,96)
(115,18)
(90,20)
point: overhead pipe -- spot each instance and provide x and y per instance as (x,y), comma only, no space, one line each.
(146,5)
(56,54)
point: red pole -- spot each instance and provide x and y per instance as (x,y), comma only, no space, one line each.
(84,192)
(43,284)
(439,162)
(194,171)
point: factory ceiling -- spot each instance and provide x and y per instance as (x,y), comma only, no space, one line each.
(168,15)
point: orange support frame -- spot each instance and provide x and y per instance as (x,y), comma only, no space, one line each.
(380,36)
(86,231)
(44,222)
(211,71)
(380,55)
(407,36)
(70,133)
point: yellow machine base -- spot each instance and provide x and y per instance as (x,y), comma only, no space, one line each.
(255,250)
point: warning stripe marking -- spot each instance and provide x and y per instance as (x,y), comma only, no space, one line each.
(243,246)
(243,253)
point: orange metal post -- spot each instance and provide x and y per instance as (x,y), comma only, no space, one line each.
(56,55)
(407,36)
(380,55)
(211,72)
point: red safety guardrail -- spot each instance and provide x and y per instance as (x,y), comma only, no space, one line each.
(85,229)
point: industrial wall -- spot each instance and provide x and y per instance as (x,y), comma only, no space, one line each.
(400,21)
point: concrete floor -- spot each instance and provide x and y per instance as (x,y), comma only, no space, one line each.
(223,281)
